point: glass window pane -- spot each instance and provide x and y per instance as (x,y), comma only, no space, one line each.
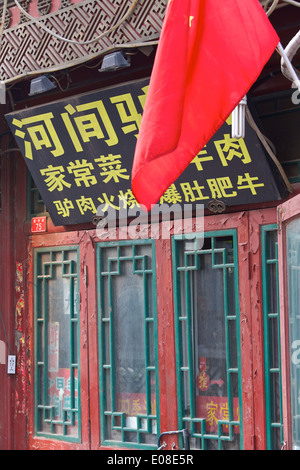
(274,427)
(293,275)
(207,338)
(128,358)
(57,353)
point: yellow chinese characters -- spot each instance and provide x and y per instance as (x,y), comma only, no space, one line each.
(218,188)
(88,125)
(171,196)
(41,132)
(199,159)
(229,148)
(193,193)
(112,168)
(133,404)
(84,204)
(82,122)
(82,172)
(216,413)
(123,103)
(128,199)
(63,207)
(55,178)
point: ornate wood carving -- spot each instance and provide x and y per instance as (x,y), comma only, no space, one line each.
(27,48)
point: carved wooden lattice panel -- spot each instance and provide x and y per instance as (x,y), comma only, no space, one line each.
(27,48)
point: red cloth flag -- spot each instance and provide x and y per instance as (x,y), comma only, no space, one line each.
(209,54)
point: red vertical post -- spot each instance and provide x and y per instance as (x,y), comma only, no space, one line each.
(257,219)
(244,263)
(240,222)
(20,308)
(166,340)
(89,359)
(7,257)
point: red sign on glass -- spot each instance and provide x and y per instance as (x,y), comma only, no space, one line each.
(38,224)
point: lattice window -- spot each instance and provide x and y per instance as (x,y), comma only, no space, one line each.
(272,362)
(208,341)
(127,343)
(57,390)
(35,203)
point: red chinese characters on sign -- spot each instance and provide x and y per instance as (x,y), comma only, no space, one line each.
(133,404)
(59,391)
(203,380)
(38,224)
(215,409)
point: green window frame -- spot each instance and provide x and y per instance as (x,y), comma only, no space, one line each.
(126,285)
(35,204)
(187,263)
(57,335)
(271,322)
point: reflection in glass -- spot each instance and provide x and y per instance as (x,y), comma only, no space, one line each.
(57,354)
(127,336)
(293,277)
(271,331)
(206,301)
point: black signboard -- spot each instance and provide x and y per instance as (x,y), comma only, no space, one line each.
(80,150)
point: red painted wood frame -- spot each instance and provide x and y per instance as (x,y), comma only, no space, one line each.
(247,225)
(286,213)
(83,240)
(7,279)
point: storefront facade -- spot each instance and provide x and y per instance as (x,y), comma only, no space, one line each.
(125,335)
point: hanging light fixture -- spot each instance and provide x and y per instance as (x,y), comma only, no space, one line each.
(2,93)
(238,120)
(41,85)
(114,61)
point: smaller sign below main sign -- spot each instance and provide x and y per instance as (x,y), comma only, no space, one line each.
(38,224)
